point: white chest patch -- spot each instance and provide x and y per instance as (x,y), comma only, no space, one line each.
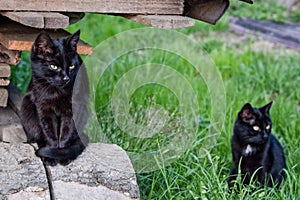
(248,151)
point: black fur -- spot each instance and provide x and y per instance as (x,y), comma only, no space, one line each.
(46,112)
(256,150)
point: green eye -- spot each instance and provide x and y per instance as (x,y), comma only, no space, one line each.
(256,128)
(72,67)
(268,127)
(54,67)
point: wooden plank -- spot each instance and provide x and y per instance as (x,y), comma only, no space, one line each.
(3,97)
(4,70)
(44,20)
(15,36)
(207,11)
(32,19)
(11,129)
(163,21)
(55,20)
(167,7)
(9,56)
(4,81)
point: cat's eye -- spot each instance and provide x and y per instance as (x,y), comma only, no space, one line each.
(72,66)
(54,67)
(256,128)
(268,127)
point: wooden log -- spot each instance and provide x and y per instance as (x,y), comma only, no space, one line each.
(55,20)
(9,56)
(43,20)
(207,11)
(32,19)
(15,36)
(167,7)
(4,81)
(3,97)
(163,21)
(4,70)
(103,171)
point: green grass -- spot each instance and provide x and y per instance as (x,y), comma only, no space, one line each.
(249,75)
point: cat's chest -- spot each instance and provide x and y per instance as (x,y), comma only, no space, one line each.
(54,103)
(252,158)
(249,150)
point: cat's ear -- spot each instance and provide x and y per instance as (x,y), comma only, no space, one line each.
(266,108)
(42,45)
(73,40)
(247,114)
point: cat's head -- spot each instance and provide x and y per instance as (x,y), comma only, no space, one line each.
(253,125)
(55,61)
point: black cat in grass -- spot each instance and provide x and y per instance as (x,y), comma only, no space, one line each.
(256,152)
(46,112)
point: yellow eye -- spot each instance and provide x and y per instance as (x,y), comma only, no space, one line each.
(72,67)
(256,128)
(54,67)
(268,127)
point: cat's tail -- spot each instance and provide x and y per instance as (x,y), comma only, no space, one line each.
(67,153)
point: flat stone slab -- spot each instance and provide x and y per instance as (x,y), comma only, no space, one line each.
(19,169)
(103,171)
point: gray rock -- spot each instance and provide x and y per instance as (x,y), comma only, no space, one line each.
(19,169)
(101,164)
(103,171)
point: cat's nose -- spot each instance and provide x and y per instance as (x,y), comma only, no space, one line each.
(66,79)
(265,136)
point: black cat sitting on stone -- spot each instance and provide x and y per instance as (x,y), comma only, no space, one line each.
(255,150)
(46,112)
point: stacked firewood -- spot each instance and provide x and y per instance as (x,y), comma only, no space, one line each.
(6,57)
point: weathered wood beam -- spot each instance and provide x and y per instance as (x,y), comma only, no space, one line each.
(163,21)
(9,56)
(55,20)
(4,70)
(44,20)
(167,7)
(15,36)
(32,19)
(3,97)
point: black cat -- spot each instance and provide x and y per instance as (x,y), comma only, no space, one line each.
(254,149)
(46,112)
